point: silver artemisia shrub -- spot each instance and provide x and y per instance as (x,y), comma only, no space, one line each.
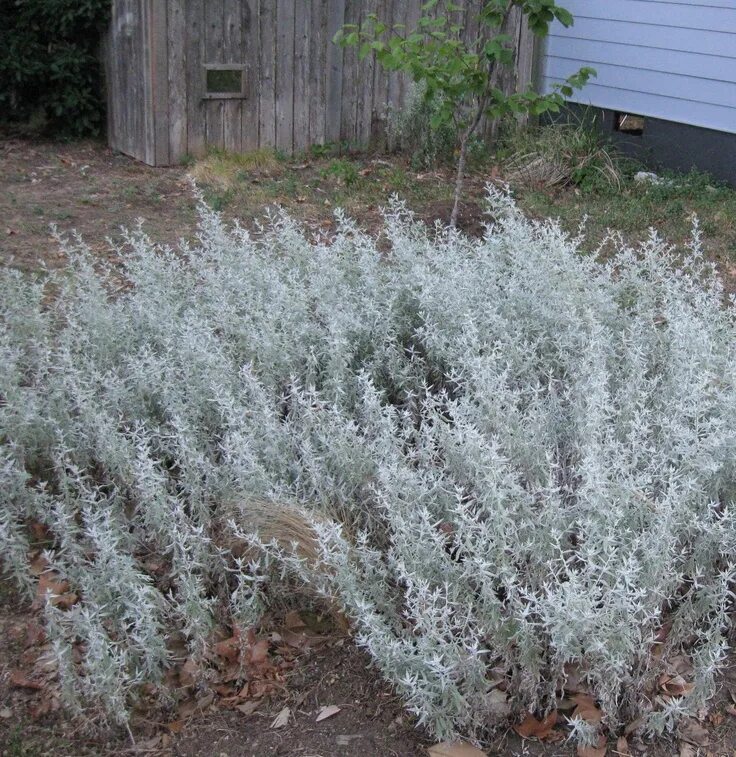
(515,461)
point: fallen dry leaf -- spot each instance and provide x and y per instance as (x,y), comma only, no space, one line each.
(40,532)
(248,708)
(622,747)
(38,565)
(574,679)
(327,712)
(716,718)
(186,709)
(34,635)
(675,685)
(687,750)
(594,751)
(149,744)
(586,709)
(282,718)
(693,733)
(531,727)
(634,725)
(20,681)
(455,749)
(228,648)
(258,652)
(188,673)
(294,621)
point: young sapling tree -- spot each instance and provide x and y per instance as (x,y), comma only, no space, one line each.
(461,77)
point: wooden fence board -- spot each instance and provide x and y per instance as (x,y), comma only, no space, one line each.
(126,78)
(177,79)
(302,31)
(214,43)
(365,84)
(300,88)
(195,57)
(379,100)
(350,79)
(233,47)
(318,43)
(267,89)
(250,122)
(335,54)
(159,63)
(285,75)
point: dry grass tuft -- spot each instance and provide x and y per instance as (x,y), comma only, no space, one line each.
(223,170)
(561,154)
(288,526)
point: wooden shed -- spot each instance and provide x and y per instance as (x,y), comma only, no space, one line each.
(185,75)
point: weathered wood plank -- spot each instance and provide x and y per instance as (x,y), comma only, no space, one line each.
(267,99)
(396,89)
(379,101)
(526,58)
(365,83)
(318,42)
(302,31)
(249,139)
(233,51)
(335,54)
(214,53)
(159,77)
(149,146)
(127,96)
(285,12)
(350,81)
(177,78)
(413,13)
(195,57)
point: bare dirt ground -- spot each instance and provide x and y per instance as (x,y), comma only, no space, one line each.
(86,187)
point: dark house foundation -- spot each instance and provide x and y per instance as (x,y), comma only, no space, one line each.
(662,144)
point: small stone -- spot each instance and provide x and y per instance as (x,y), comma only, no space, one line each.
(6,713)
(646,177)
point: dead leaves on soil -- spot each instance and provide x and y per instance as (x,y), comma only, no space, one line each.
(328,712)
(455,749)
(530,727)
(51,587)
(282,718)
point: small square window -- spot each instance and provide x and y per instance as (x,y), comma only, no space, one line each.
(223,81)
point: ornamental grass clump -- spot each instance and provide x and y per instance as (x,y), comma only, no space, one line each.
(506,463)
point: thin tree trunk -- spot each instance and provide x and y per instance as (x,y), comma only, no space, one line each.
(460,175)
(459,178)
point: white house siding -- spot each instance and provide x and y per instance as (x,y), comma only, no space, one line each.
(670,60)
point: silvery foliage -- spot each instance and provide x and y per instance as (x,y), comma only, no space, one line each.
(516,459)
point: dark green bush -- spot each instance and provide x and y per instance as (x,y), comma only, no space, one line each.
(50,68)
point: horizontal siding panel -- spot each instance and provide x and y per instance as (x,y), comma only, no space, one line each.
(666,61)
(727,4)
(662,14)
(665,38)
(718,117)
(652,82)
